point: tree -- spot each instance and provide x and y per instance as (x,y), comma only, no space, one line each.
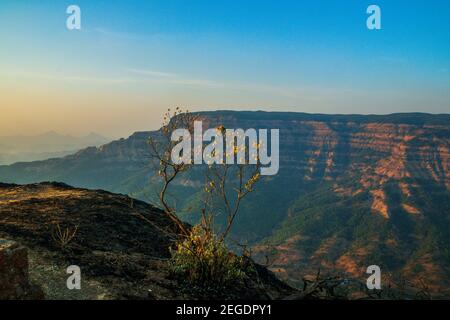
(161,149)
(201,254)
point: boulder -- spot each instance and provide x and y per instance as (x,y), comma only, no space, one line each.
(14,280)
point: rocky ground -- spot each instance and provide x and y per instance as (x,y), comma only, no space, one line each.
(120,244)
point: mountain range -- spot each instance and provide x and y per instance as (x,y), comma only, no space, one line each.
(352,191)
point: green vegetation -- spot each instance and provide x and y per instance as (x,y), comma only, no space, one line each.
(204,260)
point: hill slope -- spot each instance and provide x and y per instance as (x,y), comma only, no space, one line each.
(120,255)
(352,190)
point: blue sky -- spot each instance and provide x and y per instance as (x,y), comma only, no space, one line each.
(136,58)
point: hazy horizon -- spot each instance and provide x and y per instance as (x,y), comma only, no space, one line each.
(132,61)
(81,134)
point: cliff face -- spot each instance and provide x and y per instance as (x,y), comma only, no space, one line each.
(351,190)
(325,149)
(316,147)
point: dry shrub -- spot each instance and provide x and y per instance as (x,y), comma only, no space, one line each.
(203,260)
(62,237)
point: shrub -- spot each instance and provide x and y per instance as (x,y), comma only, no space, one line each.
(203,260)
(63,237)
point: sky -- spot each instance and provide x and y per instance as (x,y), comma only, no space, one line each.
(132,60)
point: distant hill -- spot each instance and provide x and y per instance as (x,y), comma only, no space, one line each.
(44,146)
(352,191)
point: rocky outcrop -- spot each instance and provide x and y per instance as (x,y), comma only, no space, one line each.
(14,280)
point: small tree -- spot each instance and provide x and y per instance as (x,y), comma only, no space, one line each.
(226,186)
(161,149)
(201,254)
